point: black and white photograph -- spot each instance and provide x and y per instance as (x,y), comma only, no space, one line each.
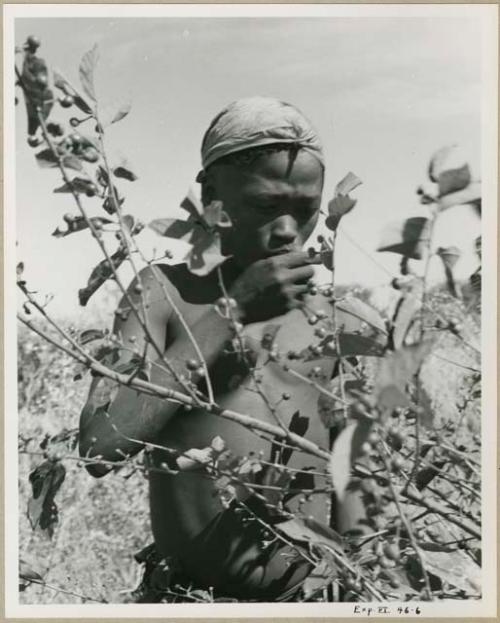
(250,310)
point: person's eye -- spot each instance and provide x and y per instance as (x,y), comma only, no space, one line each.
(305,212)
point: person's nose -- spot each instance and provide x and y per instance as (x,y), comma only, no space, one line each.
(284,230)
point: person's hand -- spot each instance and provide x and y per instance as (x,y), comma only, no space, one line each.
(273,286)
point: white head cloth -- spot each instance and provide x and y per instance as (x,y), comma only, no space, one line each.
(256,121)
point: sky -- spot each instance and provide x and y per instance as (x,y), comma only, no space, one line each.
(383,93)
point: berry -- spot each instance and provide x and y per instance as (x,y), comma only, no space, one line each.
(33,141)
(138,288)
(313,290)
(320,332)
(33,43)
(67,101)
(391,551)
(192,364)
(285,396)
(320,238)
(91,190)
(317,370)
(396,463)
(321,314)
(312,319)
(74,122)
(90,155)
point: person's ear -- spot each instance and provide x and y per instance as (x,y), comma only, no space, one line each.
(208,193)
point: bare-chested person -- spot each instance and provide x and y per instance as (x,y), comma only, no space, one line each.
(264,161)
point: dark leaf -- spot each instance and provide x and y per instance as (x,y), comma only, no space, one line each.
(346,449)
(404,314)
(125,173)
(79,223)
(86,71)
(34,79)
(408,238)
(121,113)
(19,269)
(46,479)
(173,228)
(47,159)
(76,185)
(101,273)
(396,370)
(109,204)
(102,176)
(192,204)
(298,425)
(454,180)
(82,104)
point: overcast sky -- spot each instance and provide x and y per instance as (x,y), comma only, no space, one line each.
(383,93)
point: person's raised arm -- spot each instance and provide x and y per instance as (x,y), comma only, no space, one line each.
(266,289)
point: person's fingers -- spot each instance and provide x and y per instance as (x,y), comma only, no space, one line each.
(299,258)
(302,274)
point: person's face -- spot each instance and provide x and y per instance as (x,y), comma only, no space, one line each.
(273,203)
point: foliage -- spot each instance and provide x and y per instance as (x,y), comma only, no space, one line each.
(403,408)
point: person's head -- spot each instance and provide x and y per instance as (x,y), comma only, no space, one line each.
(263,160)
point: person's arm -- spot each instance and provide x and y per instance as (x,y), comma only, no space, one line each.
(266,289)
(132,414)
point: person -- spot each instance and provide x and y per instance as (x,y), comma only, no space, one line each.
(263,160)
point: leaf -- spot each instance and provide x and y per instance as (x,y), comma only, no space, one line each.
(125,173)
(347,184)
(311,532)
(192,204)
(337,208)
(86,71)
(205,255)
(46,480)
(341,203)
(27,575)
(89,335)
(444,159)
(100,274)
(77,185)
(404,314)
(47,159)
(82,104)
(61,83)
(456,568)
(79,223)
(38,95)
(103,394)
(469,195)
(19,269)
(346,449)
(215,216)
(173,228)
(330,411)
(454,180)
(407,238)
(395,372)
(121,113)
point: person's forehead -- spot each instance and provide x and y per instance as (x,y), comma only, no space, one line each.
(279,167)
